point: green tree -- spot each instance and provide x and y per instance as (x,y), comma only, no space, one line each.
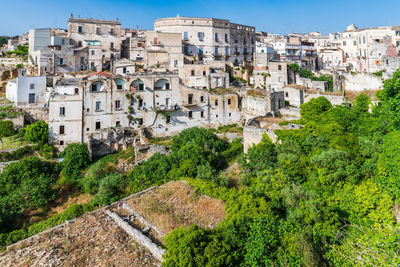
(76,159)
(362,103)
(312,110)
(111,188)
(6,129)
(37,132)
(389,164)
(24,184)
(259,158)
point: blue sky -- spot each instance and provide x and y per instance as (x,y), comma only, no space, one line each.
(276,16)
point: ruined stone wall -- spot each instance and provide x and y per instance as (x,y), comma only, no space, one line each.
(361,81)
(252,135)
(334,99)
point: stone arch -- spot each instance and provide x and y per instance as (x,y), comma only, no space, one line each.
(137,85)
(120,83)
(162,84)
(96,86)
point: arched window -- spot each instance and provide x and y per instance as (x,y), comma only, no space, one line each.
(96,87)
(162,84)
(137,85)
(120,83)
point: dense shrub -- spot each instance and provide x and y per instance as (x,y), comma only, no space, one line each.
(37,132)
(76,159)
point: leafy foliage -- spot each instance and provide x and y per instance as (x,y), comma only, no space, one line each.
(37,132)
(6,128)
(76,159)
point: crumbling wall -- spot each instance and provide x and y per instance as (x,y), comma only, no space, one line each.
(361,81)
(137,235)
(252,135)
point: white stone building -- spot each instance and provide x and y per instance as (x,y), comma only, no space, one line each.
(210,39)
(28,91)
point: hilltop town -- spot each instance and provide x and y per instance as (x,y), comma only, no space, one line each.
(131,147)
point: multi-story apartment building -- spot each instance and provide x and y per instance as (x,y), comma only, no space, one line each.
(370,49)
(102,37)
(209,39)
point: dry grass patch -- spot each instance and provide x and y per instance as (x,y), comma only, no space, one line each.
(176,204)
(91,240)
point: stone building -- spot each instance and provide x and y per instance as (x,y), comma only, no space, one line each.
(274,75)
(369,49)
(28,91)
(209,39)
(102,37)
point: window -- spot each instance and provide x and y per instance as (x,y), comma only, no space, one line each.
(190,99)
(226,51)
(119,86)
(118,124)
(124,70)
(190,114)
(92,52)
(397,43)
(62,129)
(216,102)
(80,44)
(363,39)
(216,51)
(62,41)
(201,99)
(61,143)
(32,86)
(354,43)
(140,103)
(61,61)
(230,114)
(202,114)
(344,43)
(168,119)
(185,36)
(93,87)
(175,63)
(226,38)
(140,121)
(80,29)
(204,73)
(167,86)
(98,105)
(286,94)
(186,50)
(76,91)
(111,45)
(216,37)
(192,72)
(397,33)
(31,98)
(98,31)
(117,104)
(112,31)
(62,111)
(98,125)
(201,36)
(279,67)
(141,86)
(229,101)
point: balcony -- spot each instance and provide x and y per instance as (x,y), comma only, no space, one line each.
(168,108)
(192,103)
